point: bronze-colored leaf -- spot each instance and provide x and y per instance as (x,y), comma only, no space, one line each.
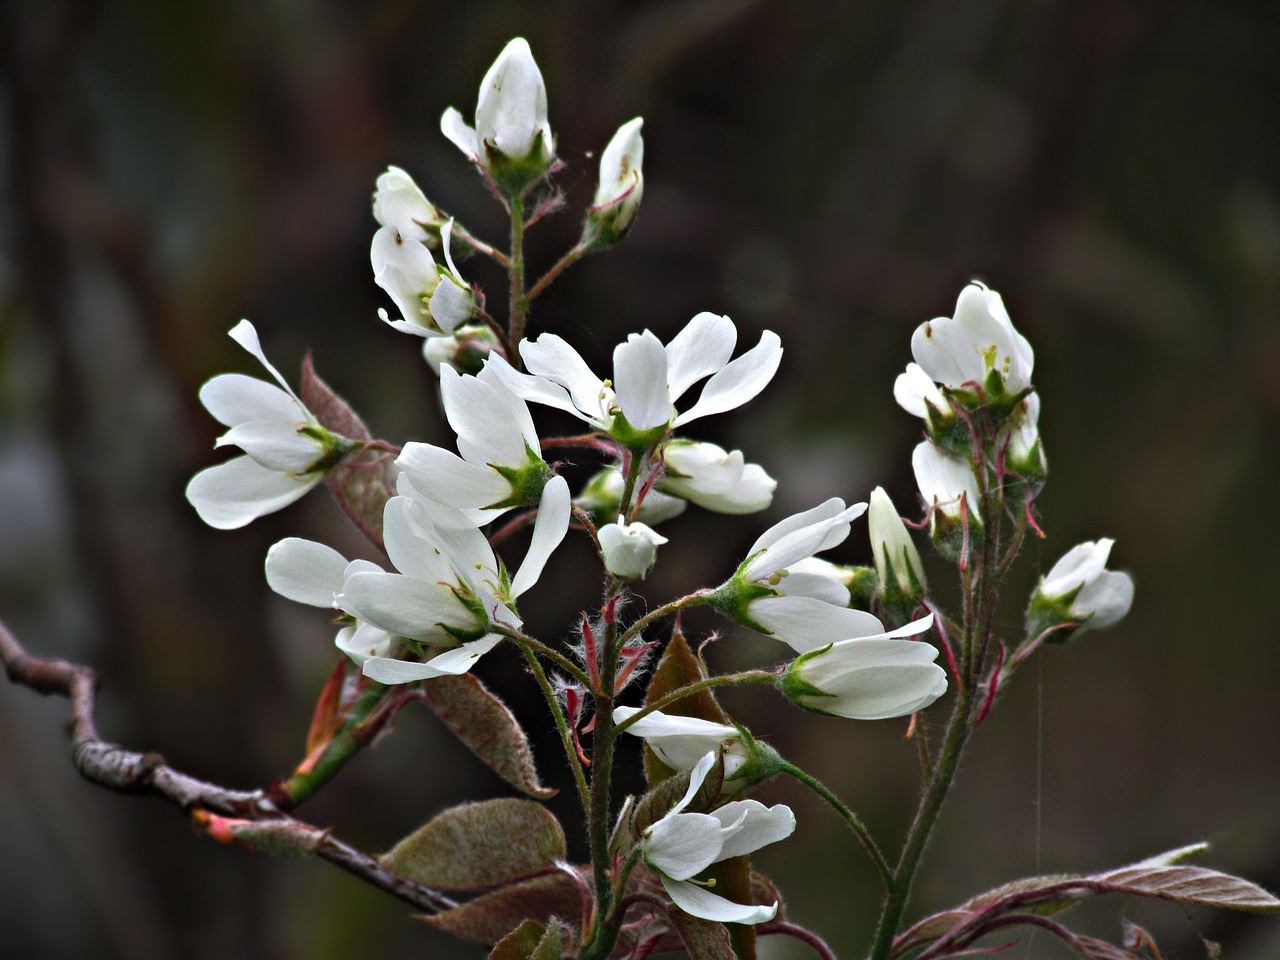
(488,728)
(679,667)
(703,939)
(477,846)
(520,943)
(490,917)
(362,482)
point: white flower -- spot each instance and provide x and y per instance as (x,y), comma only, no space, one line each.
(648,377)
(714,479)
(286,450)
(511,114)
(945,481)
(629,549)
(501,463)
(976,343)
(1091,595)
(869,678)
(680,742)
(621,184)
(451,591)
(432,303)
(398,202)
(897,561)
(308,572)
(682,845)
(1024,453)
(778,591)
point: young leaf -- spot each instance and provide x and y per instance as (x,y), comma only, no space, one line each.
(1186,884)
(360,483)
(679,667)
(488,728)
(478,846)
(529,941)
(490,917)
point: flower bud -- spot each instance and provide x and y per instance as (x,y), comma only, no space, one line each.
(602,497)
(629,549)
(399,202)
(950,491)
(714,479)
(511,140)
(897,562)
(465,350)
(620,189)
(1079,590)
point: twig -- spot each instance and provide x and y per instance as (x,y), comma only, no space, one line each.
(126,771)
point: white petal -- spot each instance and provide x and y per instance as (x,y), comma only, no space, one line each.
(702,348)
(462,136)
(680,742)
(305,571)
(875,678)
(554,510)
(640,381)
(450,663)
(552,358)
(244,334)
(683,845)
(698,901)
(806,624)
(492,423)
(362,641)
(239,491)
(1108,597)
(750,825)
(916,392)
(399,202)
(406,606)
(409,544)
(823,511)
(233,398)
(738,382)
(752,493)
(451,305)
(512,106)
(443,475)
(819,586)
(1080,564)
(804,542)
(276,444)
(533,387)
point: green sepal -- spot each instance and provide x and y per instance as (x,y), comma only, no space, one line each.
(515,175)
(1049,613)
(335,447)
(638,442)
(526,480)
(733,597)
(863,582)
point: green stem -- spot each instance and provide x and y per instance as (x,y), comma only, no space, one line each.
(559,659)
(675,606)
(602,744)
(855,823)
(519,302)
(562,725)
(724,680)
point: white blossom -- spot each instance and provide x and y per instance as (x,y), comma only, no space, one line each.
(621,183)
(450,592)
(1092,595)
(715,479)
(501,463)
(869,678)
(917,394)
(681,845)
(945,482)
(648,377)
(398,202)
(511,114)
(629,549)
(778,591)
(286,450)
(432,302)
(977,342)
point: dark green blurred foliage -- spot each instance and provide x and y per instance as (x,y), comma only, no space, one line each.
(835,172)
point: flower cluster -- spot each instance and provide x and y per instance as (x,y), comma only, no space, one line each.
(444,516)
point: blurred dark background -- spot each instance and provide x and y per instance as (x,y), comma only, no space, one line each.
(833,171)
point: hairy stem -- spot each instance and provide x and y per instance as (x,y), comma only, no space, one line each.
(852,819)
(562,727)
(518,302)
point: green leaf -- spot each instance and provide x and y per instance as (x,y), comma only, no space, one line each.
(478,846)
(489,918)
(488,728)
(360,482)
(679,667)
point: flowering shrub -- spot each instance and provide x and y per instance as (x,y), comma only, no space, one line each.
(671,868)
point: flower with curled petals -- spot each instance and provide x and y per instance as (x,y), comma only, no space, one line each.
(286,450)
(681,845)
(1079,590)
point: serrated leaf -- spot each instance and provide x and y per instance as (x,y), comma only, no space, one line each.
(477,846)
(488,728)
(491,916)
(679,667)
(362,483)
(703,939)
